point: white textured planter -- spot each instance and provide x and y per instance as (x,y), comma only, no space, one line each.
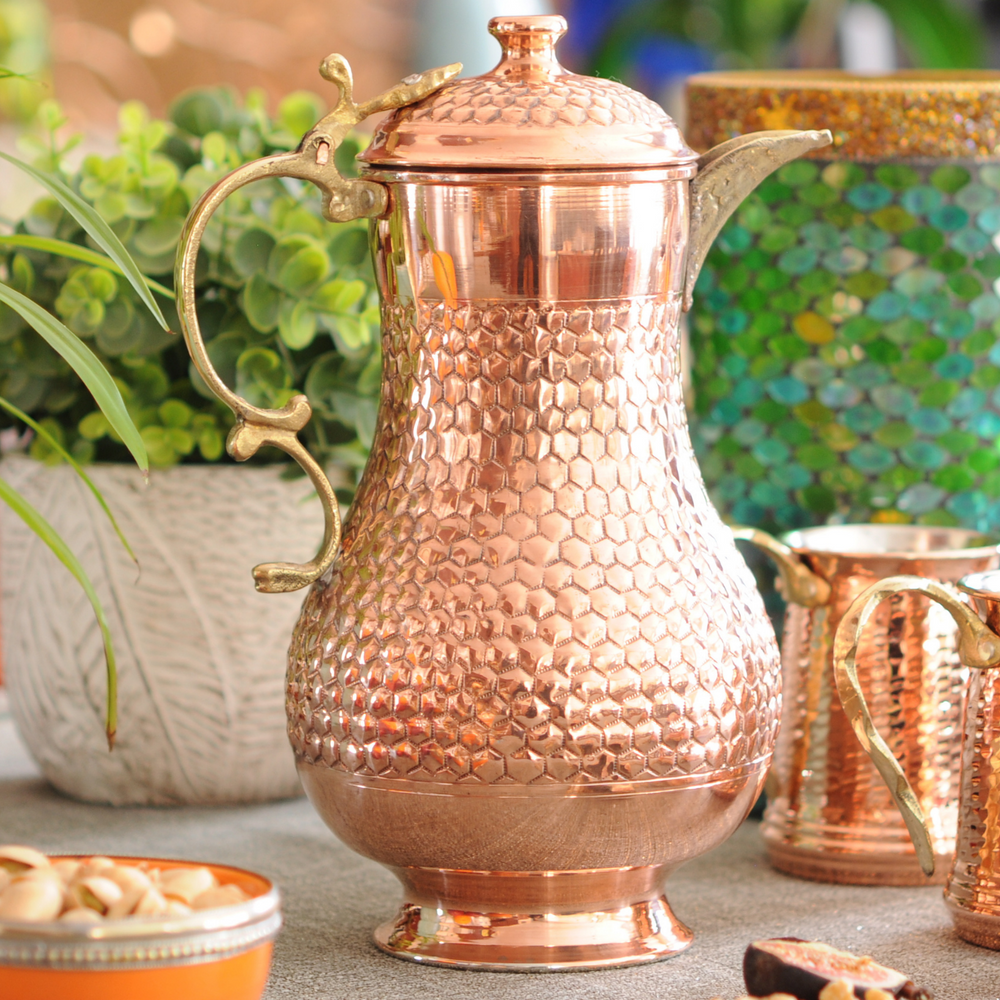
(201,655)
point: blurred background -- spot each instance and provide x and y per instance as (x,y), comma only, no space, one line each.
(93,54)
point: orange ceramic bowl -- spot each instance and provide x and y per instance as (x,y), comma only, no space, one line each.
(219,954)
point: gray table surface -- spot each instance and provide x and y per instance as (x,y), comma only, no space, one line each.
(333,899)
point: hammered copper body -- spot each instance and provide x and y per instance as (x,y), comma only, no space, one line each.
(973,885)
(830,816)
(537,676)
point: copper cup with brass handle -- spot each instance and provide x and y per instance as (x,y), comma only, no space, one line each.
(972,890)
(829,816)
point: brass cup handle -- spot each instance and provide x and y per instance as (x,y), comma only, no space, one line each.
(978,646)
(799,584)
(343,200)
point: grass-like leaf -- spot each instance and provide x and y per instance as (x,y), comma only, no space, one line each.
(97,228)
(63,248)
(34,520)
(86,364)
(40,430)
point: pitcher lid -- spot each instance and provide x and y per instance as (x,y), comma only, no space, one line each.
(529,112)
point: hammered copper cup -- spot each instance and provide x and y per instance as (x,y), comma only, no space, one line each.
(972,891)
(829,816)
(534,676)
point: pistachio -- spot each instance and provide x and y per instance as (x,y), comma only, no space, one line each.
(68,869)
(97,893)
(5,879)
(223,895)
(94,866)
(185,884)
(175,908)
(81,915)
(31,899)
(151,904)
(124,906)
(15,858)
(128,877)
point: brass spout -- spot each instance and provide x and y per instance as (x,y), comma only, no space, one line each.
(726,175)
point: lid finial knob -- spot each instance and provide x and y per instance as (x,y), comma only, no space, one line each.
(529,39)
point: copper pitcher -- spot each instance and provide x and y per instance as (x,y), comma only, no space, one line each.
(829,816)
(533,676)
(972,891)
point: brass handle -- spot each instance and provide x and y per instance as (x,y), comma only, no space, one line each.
(978,646)
(799,584)
(343,200)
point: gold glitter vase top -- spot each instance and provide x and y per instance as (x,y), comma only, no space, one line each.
(536,676)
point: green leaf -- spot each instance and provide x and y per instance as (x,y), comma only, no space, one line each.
(261,302)
(86,364)
(159,236)
(88,482)
(251,251)
(47,534)
(61,248)
(98,230)
(175,413)
(261,376)
(297,324)
(302,273)
(351,334)
(338,296)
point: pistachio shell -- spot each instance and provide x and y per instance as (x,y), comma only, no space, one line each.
(124,906)
(68,869)
(38,875)
(151,904)
(81,915)
(5,879)
(96,892)
(224,895)
(175,908)
(128,877)
(186,883)
(16,858)
(31,899)
(94,866)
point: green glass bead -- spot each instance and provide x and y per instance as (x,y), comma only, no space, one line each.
(869,197)
(990,176)
(817,283)
(749,432)
(754,215)
(747,466)
(939,519)
(813,412)
(885,352)
(947,261)
(842,216)
(734,279)
(918,281)
(958,442)
(794,434)
(989,266)
(798,172)
(753,300)
(985,377)
(899,477)
(865,284)
(904,331)
(913,373)
(767,494)
(765,368)
(929,349)
(771,191)
(756,259)
(893,399)
(953,478)
(771,452)
(790,348)
(894,219)
(816,456)
(839,393)
(770,412)
(988,221)
(929,421)
(819,499)
(969,241)
(821,236)
(735,239)
(843,175)
(795,214)
(990,484)
(894,261)
(864,419)
(983,460)
(767,324)
(921,200)
(871,457)
(975,197)
(923,455)
(922,240)
(950,178)
(798,260)
(949,218)
(894,435)
(790,301)
(940,393)
(771,280)
(774,239)
(965,286)
(848,260)
(818,195)
(838,437)
(896,176)
(868,237)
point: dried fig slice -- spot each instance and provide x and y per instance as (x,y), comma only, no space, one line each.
(804,968)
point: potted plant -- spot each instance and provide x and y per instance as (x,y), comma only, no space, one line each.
(289,305)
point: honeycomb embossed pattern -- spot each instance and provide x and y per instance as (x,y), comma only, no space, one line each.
(533,586)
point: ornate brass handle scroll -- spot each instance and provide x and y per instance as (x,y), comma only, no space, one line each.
(343,200)
(799,584)
(978,646)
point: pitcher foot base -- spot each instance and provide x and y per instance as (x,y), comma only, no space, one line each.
(860,868)
(976,928)
(545,926)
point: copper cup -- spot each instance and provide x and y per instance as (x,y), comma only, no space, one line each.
(972,891)
(830,817)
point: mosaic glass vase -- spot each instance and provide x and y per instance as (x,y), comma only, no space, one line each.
(846,330)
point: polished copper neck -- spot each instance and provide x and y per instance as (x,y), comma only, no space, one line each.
(529,45)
